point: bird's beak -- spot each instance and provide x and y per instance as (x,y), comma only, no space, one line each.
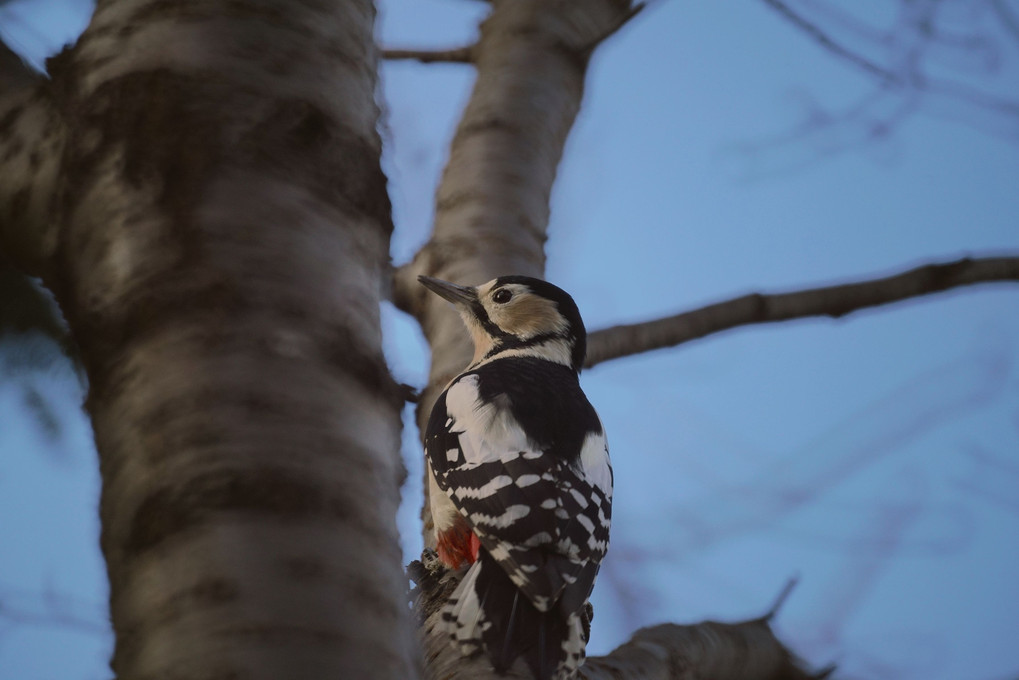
(458,295)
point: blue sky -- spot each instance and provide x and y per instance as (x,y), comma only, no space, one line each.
(876,457)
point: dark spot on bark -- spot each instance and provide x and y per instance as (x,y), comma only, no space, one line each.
(95,31)
(491,124)
(13,148)
(61,70)
(198,436)
(276,493)
(311,126)
(456,199)
(259,404)
(339,50)
(350,356)
(7,122)
(345,170)
(19,204)
(365,593)
(162,124)
(214,591)
(199,9)
(305,568)
(99,62)
(207,594)
(175,133)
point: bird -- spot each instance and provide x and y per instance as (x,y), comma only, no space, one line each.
(519,478)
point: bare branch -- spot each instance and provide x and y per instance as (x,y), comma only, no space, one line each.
(783,595)
(747,650)
(833,301)
(830,44)
(457,55)
(54,610)
(1008,19)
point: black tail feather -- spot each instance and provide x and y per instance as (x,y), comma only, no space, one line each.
(542,657)
(507,653)
(517,627)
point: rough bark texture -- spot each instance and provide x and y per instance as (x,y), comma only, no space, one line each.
(32,137)
(215,228)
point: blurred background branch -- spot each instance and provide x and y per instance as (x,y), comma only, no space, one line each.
(833,301)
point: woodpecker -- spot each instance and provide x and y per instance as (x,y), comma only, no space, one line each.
(520,483)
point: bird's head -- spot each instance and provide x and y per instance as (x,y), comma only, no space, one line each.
(518,316)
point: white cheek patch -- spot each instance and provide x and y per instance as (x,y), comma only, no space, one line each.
(527,315)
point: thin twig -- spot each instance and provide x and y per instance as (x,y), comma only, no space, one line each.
(830,44)
(783,595)
(833,301)
(457,55)
(1008,19)
(60,611)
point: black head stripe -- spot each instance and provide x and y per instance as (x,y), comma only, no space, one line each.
(481,314)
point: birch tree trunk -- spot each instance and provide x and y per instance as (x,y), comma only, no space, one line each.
(492,205)
(199,183)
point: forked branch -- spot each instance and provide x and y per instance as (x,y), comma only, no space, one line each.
(829,43)
(833,301)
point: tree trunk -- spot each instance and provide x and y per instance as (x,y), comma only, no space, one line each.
(219,228)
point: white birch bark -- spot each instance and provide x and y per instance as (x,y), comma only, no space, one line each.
(215,226)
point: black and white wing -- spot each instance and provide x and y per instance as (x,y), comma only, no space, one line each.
(533,480)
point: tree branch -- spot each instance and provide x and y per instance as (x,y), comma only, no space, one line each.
(57,610)
(747,650)
(457,55)
(1008,19)
(830,44)
(32,132)
(833,301)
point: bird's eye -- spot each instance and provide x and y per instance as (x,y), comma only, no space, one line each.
(502,296)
